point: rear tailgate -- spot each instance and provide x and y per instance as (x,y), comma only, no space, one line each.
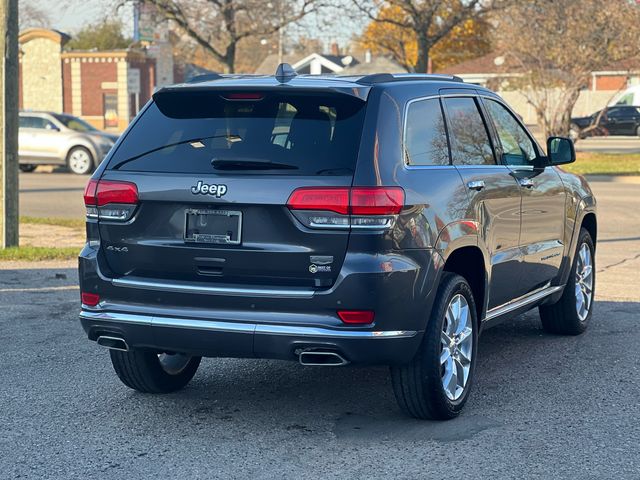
(213,172)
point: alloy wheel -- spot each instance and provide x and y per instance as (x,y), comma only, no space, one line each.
(584,282)
(456,342)
(80,161)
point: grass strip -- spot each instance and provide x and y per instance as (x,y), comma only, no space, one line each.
(60,222)
(35,254)
(591,163)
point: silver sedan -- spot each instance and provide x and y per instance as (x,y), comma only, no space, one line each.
(48,138)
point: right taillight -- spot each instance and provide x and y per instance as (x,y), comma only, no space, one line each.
(342,207)
(110,199)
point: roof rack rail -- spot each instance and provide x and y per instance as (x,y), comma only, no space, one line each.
(387,77)
(205,77)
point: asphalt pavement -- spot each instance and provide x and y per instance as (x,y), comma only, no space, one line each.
(543,406)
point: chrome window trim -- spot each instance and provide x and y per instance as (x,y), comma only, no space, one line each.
(238,327)
(453,95)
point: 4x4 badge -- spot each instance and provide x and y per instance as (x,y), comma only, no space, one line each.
(202,188)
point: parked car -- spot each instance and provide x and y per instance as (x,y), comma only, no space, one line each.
(618,120)
(47,138)
(630,96)
(384,219)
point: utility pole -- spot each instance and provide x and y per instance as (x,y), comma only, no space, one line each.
(9,123)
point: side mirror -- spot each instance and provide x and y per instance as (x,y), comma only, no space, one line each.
(560,151)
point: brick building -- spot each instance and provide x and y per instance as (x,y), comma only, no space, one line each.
(105,88)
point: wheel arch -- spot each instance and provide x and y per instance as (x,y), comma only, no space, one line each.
(590,223)
(468,262)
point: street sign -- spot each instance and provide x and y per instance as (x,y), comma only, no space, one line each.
(133,81)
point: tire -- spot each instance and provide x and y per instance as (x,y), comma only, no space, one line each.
(566,317)
(574,133)
(80,161)
(419,384)
(149,372)
(26,168)
(638,132)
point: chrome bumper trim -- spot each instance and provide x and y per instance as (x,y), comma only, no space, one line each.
(236,327)
(211,290)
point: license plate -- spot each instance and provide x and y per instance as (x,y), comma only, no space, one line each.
(213,226)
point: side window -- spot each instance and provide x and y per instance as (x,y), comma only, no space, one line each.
(425,139)
(469,138)
(517,147)
(40,123)
(25,122)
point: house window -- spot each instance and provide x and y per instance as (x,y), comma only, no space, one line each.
(110,109)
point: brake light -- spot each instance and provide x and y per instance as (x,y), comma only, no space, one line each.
(90,193)
(324,199)
(116,192)
(376,200)
(243,96)
(90,299)
(356,317)
(100,193)
(343,207)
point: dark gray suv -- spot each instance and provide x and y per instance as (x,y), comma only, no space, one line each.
(384,219)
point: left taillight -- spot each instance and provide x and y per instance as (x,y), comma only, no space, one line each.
(110,199)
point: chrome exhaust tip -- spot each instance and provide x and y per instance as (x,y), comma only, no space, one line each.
(317,358)
(113,343)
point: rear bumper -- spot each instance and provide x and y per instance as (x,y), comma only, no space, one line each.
(215,320)
(214,338)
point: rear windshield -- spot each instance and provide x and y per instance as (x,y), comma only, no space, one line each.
(218,132)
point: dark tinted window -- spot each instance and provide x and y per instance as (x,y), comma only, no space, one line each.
(469,138)
(425,134)
(35,122)
(517,147)
(185,132)
(75,123)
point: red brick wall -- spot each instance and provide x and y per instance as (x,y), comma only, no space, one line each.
(92,76)
(618,82)
(67,106)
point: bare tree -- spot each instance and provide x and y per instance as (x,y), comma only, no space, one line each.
(557,44)
(428,20)
(218,26)
(31,15)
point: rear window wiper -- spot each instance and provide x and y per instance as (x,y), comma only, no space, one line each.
(250,165)
(195,143)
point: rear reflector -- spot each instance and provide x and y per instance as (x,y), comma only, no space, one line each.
(90,299)
(356,317)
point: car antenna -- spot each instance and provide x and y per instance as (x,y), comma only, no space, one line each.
(285,73)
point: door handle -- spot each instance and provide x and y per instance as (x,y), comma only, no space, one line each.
(526,182)
(476,185)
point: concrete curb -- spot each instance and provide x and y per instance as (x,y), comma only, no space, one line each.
(634,179)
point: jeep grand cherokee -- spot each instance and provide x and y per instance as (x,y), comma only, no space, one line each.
(384,219)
